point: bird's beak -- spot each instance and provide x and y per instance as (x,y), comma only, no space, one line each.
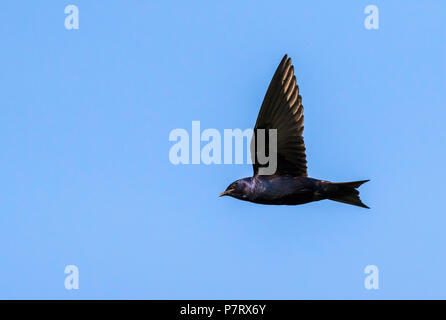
(226,193)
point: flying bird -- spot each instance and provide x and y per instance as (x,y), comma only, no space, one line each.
(290,185)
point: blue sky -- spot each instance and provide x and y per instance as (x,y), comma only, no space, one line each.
(86,178)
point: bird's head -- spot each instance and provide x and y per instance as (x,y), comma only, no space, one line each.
(239,189)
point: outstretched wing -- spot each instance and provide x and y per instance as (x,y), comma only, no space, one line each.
(282,110)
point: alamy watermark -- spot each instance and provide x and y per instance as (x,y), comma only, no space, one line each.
(72,18)
(72,280)
(371,281)
(188,148)
(371,21)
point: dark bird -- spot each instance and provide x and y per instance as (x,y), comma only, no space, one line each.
(290,185)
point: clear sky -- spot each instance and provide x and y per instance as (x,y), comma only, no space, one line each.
(85,173)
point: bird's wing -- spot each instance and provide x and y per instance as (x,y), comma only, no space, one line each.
(282,110)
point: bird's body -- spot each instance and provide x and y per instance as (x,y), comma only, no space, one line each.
(282,111)
(285,190)
(289,190)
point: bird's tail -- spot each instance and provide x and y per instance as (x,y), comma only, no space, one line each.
(346,192)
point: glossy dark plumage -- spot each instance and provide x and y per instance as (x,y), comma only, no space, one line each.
(282,110)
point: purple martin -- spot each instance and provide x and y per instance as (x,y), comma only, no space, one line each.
(289,185)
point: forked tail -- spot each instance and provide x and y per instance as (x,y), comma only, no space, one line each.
(346,192)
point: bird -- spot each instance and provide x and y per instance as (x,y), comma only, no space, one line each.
(282,110)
